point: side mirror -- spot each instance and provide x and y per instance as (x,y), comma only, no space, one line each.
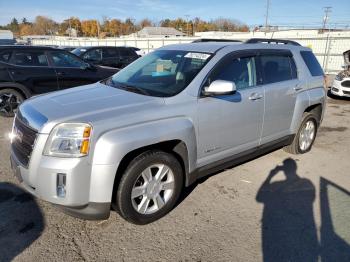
(220,87)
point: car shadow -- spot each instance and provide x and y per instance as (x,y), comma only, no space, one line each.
(21,221)
(288,227)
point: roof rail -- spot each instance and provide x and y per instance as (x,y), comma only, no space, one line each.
(201,40)
(270,40)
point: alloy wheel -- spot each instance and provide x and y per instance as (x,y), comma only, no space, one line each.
(153,189)
(307,135)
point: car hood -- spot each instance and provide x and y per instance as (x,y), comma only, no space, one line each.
(96,104)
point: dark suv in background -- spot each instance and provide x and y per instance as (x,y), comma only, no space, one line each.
(118,57)
(27,70)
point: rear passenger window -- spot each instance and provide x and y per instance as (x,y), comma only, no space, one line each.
(30,59)
(5,56)
(125,52)
(241,71)
(312,63)
(277,68)
(110,52)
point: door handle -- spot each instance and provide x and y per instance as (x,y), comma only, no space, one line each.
(255,96)
(298,87)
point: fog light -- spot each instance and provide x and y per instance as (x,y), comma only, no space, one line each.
(61,185)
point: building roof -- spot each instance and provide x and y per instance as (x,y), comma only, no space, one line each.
(159,31)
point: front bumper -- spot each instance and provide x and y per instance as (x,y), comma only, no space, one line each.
(339,90)
(76,202)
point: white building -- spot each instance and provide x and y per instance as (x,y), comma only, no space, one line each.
(159,32)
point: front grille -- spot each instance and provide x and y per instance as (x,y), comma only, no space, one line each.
(346,83)
(23,142)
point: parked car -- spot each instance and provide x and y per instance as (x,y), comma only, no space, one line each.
(118,57)
(341,82)
(138,51)
(135,140)
(27,70)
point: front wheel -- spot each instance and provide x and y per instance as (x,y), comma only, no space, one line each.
(9,101)
(150,187)
(306,135)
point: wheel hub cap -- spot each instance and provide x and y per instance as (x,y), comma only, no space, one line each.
(307,135)
(8,103)
(153,189)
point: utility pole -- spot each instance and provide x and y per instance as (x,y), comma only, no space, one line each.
(187,31)
(327,11)
(267,14)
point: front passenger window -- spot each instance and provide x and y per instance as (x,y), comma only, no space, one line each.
(241,71)
(63,59)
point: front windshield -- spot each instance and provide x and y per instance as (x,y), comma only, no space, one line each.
(78,51)
(161,73)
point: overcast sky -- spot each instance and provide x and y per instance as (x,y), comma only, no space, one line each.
(252,12)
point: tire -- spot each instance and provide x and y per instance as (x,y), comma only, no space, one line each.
(295,147)
(10,99)
(159,193)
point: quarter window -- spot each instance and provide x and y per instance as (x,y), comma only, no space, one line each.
(277,68)
(30,58)
(241,71)
(63,59)
(5,56)
(312,64)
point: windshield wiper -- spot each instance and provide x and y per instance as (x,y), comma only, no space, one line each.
(134,89)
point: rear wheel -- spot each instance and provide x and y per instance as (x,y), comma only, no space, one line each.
(150,187)
(305,136)
(10,99)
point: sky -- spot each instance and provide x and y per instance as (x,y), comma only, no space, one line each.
(252,12)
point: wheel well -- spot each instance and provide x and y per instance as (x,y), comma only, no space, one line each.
(315,109)
(175,147)
(16,89)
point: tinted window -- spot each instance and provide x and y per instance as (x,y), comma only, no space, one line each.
(79,51)
(5,56)
(64,59)
(241,71)
(30,58)
(110,52)
(312,63)
(125,52)
(277,68)
(93,55)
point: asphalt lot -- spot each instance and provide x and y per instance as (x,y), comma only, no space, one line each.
(278,207)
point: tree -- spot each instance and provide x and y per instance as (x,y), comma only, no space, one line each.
(25,29)
(70,23)
(145,22)
(13,26)
(90,27)
(45,26)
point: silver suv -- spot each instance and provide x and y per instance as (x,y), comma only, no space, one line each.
(134,141)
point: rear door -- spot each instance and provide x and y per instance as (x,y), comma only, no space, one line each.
(71,71)
(31,68)
(110,56)
(281,85)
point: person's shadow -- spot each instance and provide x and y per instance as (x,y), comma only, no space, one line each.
(288,226)
(21,221)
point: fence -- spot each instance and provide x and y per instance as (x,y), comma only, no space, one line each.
(328,49)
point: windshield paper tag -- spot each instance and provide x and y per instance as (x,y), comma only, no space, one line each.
(200,56)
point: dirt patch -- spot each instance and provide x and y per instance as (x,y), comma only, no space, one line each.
(332,129)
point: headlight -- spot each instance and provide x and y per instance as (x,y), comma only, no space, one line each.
(69,140)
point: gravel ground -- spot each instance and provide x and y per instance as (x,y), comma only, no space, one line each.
(278,207)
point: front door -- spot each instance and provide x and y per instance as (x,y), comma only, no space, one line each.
(71,71)
(231,124)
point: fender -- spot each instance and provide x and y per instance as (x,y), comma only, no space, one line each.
(112,146)
(16,86)
(302,102)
